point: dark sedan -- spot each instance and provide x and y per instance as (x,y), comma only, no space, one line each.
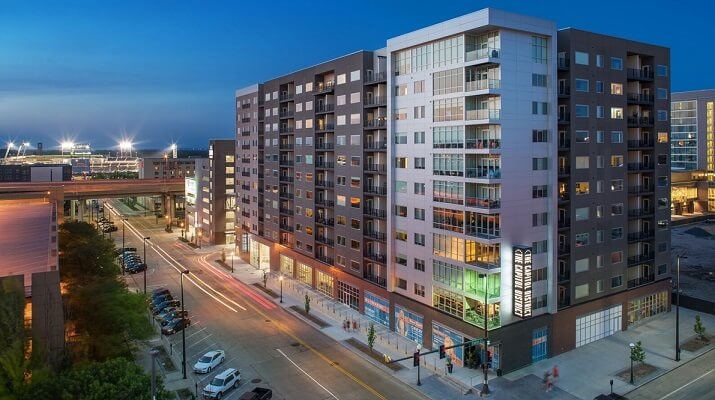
(175,326)
(169,303)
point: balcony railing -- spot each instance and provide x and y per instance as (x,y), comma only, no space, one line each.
(482,232)
(285,96)
(286,114)
(381,145)
(376,101)
(325,108)
(640,212)
(640,258)
(375,77)
(245,160)
(640,143)
(375,167)
(639,166)
(483,143)
(641,281)
(482,84)
(483,172)
(287,227)
(381,258)
(482,203)
(325,221)
(381,190)
(246,187)
(286,163)
(640,74)
(564,63)
(324,240)
(492,264)
(482,114)
(375,212)
(636,236)
(285,129)
(564,169)
(324,203)
(375,123)
(376,279)
(564,117)
(324,259)
(640,98)
(285,178)
(324,146)
(640,189)
(284,210)
(286,146)
(564,248)
(324,127)
(564,90)
(286,195)
(324,165)
(640,121)
(564,222)
(324,87)
(480,53)
(376,235)
(325,183)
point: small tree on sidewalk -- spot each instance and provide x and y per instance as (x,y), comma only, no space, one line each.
(371,336)
(637,353)
(307,304)
(699,328)
(223,256)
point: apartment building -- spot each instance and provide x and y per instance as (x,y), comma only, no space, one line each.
(197,201)
(420,185)
(693,151)
(166,168)
(220,189)
(614,185)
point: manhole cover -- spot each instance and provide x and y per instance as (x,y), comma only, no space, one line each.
(295,344)
(268,320)
(257,380)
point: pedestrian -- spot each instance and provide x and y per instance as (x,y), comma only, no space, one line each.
(354,325)
(546,380)
(555,373)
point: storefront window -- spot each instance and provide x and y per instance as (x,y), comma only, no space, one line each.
(350,295)
(287,266)
(305,274)
(324,283)
(647,306)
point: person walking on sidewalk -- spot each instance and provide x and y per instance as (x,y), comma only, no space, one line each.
(547,381)
(555,373)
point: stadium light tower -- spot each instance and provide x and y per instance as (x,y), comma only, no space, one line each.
(9,146)
(66,146)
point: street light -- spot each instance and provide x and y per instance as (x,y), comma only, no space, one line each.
(183,330)
(199,237)
(632,346)
(123,247)
(280,278)
(232,253)
(419,348)
(677,309)
(145,263)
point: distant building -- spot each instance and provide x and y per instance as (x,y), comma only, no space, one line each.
(196,200)
(35,172)
(221,190)
(166,168)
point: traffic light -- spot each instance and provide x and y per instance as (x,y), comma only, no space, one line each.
(442,353)
(416,359)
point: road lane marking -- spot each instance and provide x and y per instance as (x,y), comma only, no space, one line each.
(307,374)
(686,385)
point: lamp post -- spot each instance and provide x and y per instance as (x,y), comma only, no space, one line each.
(677,309)
(199,237)
(281,279)
(182,229)
(632,346)
(419,348)
(123,222)
(147,267)
(232,253)
(183,331)
(485,387)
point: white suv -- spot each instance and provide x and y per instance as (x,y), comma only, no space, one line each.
(221,383)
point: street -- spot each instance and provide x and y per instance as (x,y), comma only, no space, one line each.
(270,346)
(694,380)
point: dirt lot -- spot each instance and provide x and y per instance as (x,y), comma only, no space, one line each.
(697,272)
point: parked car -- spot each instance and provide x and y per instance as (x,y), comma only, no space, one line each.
(258,393)
(221,383)
(209,361)
(171,315)
(160,299)
(159,291)
(164,313)
(135,268)
(168,303)
(175,325)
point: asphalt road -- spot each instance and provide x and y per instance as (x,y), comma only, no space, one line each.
(270,346)
(691,381)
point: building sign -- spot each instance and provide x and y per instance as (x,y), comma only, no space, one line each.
(522,281)
(409,324)
(447,337)
(377,308)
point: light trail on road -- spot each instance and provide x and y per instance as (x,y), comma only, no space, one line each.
(307,374)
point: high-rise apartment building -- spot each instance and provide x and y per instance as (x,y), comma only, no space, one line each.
(423,184)
(613,185)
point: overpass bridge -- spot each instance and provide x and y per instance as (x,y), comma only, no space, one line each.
(82,190)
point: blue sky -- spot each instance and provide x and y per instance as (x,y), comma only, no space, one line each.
(162,71)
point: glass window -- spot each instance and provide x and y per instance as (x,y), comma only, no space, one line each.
(582,239)
(617,88)
(581,110)
(616,63)
(599,86)
(661,70)
(617,281)
(599,60)
(445,82)
(582,265)
(616,233)
(581,58)
(539,51)
(582,85)
(662,115)
(617,112)
(581,291)
(662,94)
(616,161)
(616,137)
(582,136)
(582,162)
(616,257)
(582,213)
(600,112)
(582,188)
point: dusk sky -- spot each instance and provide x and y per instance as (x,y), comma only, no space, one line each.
(160,71)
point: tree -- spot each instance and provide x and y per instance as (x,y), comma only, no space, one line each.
(223,256)
(699,328)
(637,353)
(307,304)
(13,338)
(371,336)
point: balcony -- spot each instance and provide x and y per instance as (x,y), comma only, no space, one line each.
(285,129)
(641,281)
(246,200)
(640,189)
(482,233)
(376,235)
(325,221)
(246,214)
(375,212)
(325,108)
(324,240)
(564,117)
(376,101)
(483,173)
(380,190)
(640,121)
(564,63)
(286,163)
(286,195)
(324,146)
(564,196)
(564,277)
(286,114)
(640,144)
(564,143)
(488,265)
(375,123)
(640,166)
(638,236)
(324,183)
(284,241)
(286,211)
(480,53)
(245,132)
(286,96)
(246,173)
(483,143)
(473,115)
(482,84)
(245,160)
(324,203)
(375,77)
(286,227)
(285,178)
(639,98)
(286,146)
(375,168)
(642,74)
(564,91)
(640,212)
(324,128)
(564,248)
(640,258)
(488,204)
(380,145)
(246,187)
(564,169)
(246,146)
(324,87)
(324,165)
(377,257)
(379,280)
(246,119)
(564,223)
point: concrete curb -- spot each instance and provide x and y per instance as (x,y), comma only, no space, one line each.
(669,371)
